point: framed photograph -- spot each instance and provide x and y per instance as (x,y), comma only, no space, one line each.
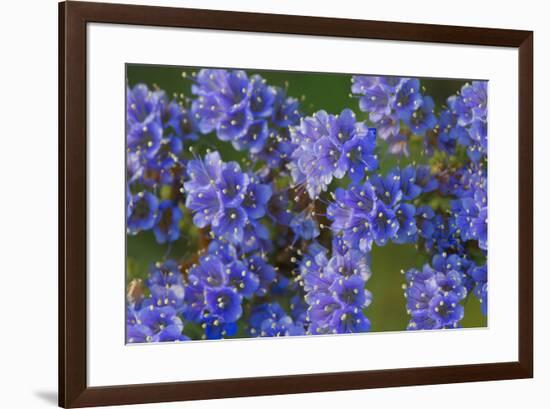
(256,204)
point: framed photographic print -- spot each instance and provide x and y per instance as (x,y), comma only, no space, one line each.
(257,204)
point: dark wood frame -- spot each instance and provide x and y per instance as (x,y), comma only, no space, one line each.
(73,18)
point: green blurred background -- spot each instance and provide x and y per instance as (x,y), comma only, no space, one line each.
(330,92)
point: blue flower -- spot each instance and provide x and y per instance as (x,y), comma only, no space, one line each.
(189,129)
(449,132)
(203,173)
(235,125)
(479,275)
(329,146)
(351,291)
(388,188)
(470,104)
(477,143)
(387,129)
(304,226)
(195,302)
(224,303)
(425,221)
(408,98)
(170,115)
(358,156)
(312,268)
(144,139)
(323,308)
(420,290)
(339,246)
(311,137)
(285,109)
(362,83)
(475,96)
(167,224)
(265,272)
(409,188)
(451,274)
(446,310)
(352,214)
(231,89)
(210,272)
(377,96)
(270,320)
(281,286)
(470,213)
(434,294)
(255,138)
(230,200)
(222,103)
(479,228)
(350,320)
(255,237)
(425,180)
(405,216)
(241,278)
(215,328)
(422,118)
(232,184)
(144,211)
(447,235)
(134,167)
(216,289)
(207,205)
(230,224)
(262,98)
(142,106)
(206,113)
(279,208)
(166,285)
(335,290)
(226,252)
(384,226)
(129,201)
(138,334)
(298,309)
(163,325)
(256,198)
(352,263)
(459,108)
(166,158)
(377,102)
(392,84)
(278,148)
(466,211)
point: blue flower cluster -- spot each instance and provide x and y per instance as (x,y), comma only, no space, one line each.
(397,106)
(335,289)
(250,114)
(156,130)
(229,200)
(479,276)
(470,208)
(271,320)
(218,286)
(434,294)
(285,237)
(379,210)
(330,146)
(465,121)
(155,318)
